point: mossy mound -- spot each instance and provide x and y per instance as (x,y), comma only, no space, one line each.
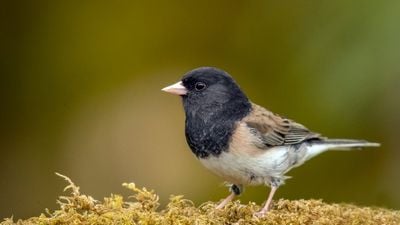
(142,209)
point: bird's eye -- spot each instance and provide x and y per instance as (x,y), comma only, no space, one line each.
(199,86)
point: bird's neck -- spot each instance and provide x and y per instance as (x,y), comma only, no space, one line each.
(208,128)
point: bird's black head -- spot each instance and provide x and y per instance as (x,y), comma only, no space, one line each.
(211,89)
(213,103)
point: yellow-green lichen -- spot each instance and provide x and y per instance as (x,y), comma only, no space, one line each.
(141,208)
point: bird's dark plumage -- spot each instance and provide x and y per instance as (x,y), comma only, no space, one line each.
(211,113)
(240,141)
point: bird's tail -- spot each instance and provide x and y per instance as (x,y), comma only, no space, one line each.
(319,146)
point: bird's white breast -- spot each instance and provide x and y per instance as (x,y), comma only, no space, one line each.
(247,169)
(245,163)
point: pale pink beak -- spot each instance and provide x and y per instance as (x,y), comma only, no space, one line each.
(176,89)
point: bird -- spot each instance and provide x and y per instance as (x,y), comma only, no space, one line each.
(242,142)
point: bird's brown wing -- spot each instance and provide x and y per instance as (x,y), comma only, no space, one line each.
(274,130)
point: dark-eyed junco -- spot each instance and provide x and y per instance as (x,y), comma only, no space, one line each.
(240,141)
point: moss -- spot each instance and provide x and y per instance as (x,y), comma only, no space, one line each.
(141,208)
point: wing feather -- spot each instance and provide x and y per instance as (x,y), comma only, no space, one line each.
(275,130)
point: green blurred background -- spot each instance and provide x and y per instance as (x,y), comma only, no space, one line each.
(80,94)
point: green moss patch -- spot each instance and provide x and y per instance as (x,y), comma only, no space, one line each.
(142,208)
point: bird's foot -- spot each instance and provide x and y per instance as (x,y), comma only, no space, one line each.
(267,205)
(260,213)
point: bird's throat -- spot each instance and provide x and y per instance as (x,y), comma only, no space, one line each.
(209,130)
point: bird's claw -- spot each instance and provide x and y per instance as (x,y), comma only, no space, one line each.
(260,214)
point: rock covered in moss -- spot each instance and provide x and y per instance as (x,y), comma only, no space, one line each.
(142,207)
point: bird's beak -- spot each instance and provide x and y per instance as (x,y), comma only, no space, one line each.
(176,89)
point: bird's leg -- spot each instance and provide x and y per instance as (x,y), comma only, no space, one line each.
(226,201)
(274,187)
(235,190)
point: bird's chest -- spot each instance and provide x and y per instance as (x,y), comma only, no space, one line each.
(207,138)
